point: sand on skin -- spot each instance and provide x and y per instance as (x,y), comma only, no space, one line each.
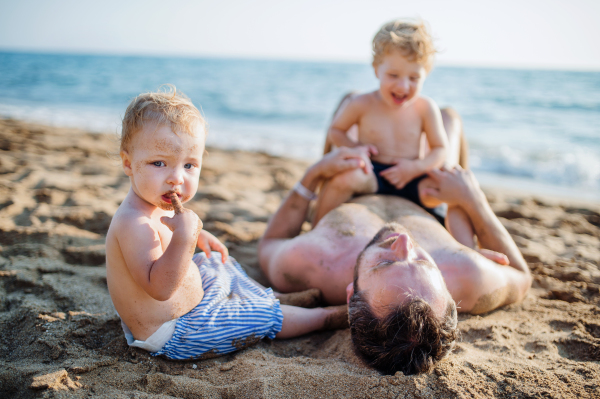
(61,336)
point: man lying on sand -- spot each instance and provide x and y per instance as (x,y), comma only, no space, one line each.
(399,269)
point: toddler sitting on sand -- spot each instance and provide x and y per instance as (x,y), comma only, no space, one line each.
(172,302)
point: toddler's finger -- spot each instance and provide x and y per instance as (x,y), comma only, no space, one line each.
(167,221)
(224,251)
(176,203)
(204,245)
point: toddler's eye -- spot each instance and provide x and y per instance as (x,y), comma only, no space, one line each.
(158,163)
(188,166)
(391,75)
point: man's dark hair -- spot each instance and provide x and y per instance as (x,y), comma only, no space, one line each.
(410,338)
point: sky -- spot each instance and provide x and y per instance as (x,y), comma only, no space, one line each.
(509,33)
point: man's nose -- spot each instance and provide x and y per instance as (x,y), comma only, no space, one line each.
(176,176)
(402,246)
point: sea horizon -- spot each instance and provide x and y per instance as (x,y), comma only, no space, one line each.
(541,126)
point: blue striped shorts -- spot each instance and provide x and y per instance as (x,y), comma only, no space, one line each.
(233,314)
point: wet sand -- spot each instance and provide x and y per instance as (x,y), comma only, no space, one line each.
(60,335)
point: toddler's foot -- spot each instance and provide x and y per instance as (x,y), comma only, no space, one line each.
(337,319)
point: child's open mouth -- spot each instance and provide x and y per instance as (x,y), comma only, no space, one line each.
(166,197)
(399,98)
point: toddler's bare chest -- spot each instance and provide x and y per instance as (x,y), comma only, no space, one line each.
(404,128)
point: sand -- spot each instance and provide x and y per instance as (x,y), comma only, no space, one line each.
(60,335)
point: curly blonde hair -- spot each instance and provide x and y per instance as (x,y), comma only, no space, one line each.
(163,107)
(411,38)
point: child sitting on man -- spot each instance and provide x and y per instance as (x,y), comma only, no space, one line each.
(172,302)
(390,124)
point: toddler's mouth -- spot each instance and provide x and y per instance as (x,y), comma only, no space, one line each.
(399,98)
(167,197)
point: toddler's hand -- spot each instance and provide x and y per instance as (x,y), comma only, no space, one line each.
(184,219)
(372,149)
(402,173)
(208,242)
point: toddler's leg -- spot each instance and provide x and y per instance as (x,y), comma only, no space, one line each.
(299,321)
(340,188)
(460,227)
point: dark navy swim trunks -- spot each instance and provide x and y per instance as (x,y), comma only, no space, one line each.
(410,191)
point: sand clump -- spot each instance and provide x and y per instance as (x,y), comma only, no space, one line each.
(61,336)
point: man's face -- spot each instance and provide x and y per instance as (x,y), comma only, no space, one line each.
(393,268)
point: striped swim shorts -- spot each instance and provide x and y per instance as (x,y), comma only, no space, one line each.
(233,314)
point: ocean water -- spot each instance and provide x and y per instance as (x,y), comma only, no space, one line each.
(538,127)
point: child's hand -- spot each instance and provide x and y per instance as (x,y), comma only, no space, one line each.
(208,243)
(402,173)
(184,219)
(372,149)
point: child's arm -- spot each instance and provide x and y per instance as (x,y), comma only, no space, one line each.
(160,273)
(406,170)
(346,117)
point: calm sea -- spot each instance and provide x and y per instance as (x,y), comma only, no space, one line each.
(530,127)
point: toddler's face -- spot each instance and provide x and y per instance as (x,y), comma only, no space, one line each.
(400,80)
(162,162)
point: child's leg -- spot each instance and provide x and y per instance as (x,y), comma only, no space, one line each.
(299,321)
(340,188)
(460,227)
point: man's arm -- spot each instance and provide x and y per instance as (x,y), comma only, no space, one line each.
(489,284)
(287,222)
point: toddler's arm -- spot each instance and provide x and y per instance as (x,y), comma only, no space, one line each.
(343,120)
(160,273)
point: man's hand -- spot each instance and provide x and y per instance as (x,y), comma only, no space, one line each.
(402,173)
(342,159)
(208,243)
(456,187)
(184,220)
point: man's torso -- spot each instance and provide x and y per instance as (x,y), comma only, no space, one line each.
(331,248)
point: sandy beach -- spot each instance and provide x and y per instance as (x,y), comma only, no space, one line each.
(61,337)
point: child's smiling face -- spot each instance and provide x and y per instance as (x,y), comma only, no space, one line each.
(400,80)
(159,162)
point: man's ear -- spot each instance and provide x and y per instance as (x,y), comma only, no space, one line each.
(126,162)
(349,292)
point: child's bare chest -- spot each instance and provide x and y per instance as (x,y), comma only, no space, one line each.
(394,134)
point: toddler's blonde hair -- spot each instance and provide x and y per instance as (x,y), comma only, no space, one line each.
(411,38)
(167,107)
